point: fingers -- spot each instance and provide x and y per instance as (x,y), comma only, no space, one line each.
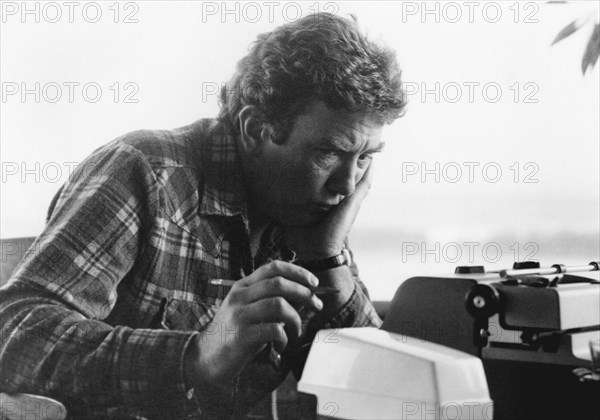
(281,269)
(279,337)
(265,298)
(346,212)
(274,310)
(363,186)
(280,286)
(367,179)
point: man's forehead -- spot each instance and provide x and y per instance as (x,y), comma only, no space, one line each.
(371,142)
(339,127)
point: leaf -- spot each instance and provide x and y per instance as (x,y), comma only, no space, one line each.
(568,30)
(592,51)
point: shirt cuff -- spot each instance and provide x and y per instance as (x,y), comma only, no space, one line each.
(358,311)
(152,373)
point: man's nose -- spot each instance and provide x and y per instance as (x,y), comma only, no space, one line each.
(343,180)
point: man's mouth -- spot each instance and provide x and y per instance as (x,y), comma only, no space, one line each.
(321,208)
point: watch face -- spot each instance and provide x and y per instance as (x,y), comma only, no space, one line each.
(347,257)
(340,260)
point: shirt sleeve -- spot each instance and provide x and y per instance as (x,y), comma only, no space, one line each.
(53,340)
(358,311)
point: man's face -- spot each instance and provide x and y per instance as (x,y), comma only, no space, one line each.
(325,155)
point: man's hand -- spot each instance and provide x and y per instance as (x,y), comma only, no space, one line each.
(259,309)
(326,238)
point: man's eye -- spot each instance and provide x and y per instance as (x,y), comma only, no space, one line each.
(364,159)
(329,152)
(327,155)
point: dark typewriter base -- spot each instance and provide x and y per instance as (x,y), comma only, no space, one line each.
(532,391)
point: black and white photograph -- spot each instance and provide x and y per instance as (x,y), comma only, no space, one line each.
(300,210)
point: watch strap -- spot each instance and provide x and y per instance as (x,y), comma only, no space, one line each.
(343,258)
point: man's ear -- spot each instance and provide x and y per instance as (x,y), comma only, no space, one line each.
(253,131)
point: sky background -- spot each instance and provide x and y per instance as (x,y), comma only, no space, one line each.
(499,99)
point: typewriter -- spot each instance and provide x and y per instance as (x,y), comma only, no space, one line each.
(530,327)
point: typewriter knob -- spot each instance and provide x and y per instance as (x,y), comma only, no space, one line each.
(482,301)
(469,269)
(521,265)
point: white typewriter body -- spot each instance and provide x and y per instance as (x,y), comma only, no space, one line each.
(528,328)
(367,373)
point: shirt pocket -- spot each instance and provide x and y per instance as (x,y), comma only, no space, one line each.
(185,315)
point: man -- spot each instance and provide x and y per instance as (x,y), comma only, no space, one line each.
(176,271)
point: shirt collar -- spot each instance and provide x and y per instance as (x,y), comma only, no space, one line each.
(223,193)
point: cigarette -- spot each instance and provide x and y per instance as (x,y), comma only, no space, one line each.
(221,282)
(324,291)
(319,290)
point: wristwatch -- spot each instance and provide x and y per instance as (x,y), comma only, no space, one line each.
(343,258)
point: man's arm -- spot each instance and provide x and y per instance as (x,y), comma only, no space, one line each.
(351,307)
(347,310)
(53,340)
(356,310)
(326,239)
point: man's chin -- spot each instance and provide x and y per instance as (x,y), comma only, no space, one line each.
(304,219)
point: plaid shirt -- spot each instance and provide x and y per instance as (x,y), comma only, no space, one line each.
(102,308)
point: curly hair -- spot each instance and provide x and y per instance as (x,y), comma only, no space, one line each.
(320,56)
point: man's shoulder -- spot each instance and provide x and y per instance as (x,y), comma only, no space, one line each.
(177,147)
